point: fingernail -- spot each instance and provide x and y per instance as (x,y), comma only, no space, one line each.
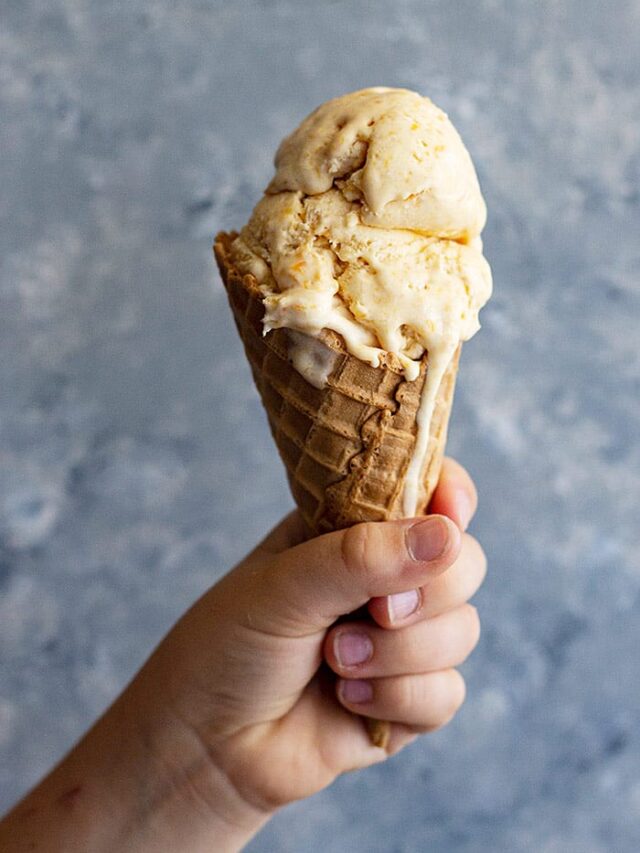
(402,604)
(351,649)
(356,692)
(427,539)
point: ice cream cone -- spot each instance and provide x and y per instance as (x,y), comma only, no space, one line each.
(346,446)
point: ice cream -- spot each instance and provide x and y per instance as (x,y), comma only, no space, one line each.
(371,228)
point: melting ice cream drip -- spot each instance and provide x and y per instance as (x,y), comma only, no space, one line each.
(439,360)
(371,225)
(311,358)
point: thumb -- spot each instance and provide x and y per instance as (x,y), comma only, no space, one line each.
(306,588)
(271,612)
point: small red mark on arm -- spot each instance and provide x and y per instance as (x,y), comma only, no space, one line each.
(68,799)
(25,814)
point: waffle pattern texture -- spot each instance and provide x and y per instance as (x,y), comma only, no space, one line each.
(346,447)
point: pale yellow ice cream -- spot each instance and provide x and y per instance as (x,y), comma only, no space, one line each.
(396,153)
(371,228)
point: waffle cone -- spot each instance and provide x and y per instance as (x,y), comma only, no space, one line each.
(346,447)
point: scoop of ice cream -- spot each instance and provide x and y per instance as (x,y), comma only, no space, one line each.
(370,228)
(393,151)
(382,290)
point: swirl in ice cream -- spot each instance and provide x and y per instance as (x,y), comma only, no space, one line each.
(371,228)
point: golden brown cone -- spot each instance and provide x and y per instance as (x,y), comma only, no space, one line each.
(346,447)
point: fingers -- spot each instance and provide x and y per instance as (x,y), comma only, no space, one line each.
(362,650)
(443,592)
(455,496)
(424,702)
(306,588)
(459,583)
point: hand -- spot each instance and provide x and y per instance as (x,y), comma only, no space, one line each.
(237,712)
(246,660)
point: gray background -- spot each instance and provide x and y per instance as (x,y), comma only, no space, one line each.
(135,461)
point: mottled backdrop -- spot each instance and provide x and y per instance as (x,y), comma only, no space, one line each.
(135,461)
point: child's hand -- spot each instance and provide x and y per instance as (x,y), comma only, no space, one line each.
(243,669)
(237,711)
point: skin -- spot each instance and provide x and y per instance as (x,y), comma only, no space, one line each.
(244,706)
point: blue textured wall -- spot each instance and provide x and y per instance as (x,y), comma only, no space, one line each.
(135,461)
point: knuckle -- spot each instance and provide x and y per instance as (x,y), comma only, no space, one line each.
(473,492)
(476,553)
(482,559)
(354,548)
(459,634)
(456,693)
(472,632)
(360,546)
(453,696)
(465,480)
(473,623)
(407,695)
(447,701)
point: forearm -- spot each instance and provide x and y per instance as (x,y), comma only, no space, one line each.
(136,782)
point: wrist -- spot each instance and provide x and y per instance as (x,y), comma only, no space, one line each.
(139,781)
(189,802)
(194,803)
(198,809)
